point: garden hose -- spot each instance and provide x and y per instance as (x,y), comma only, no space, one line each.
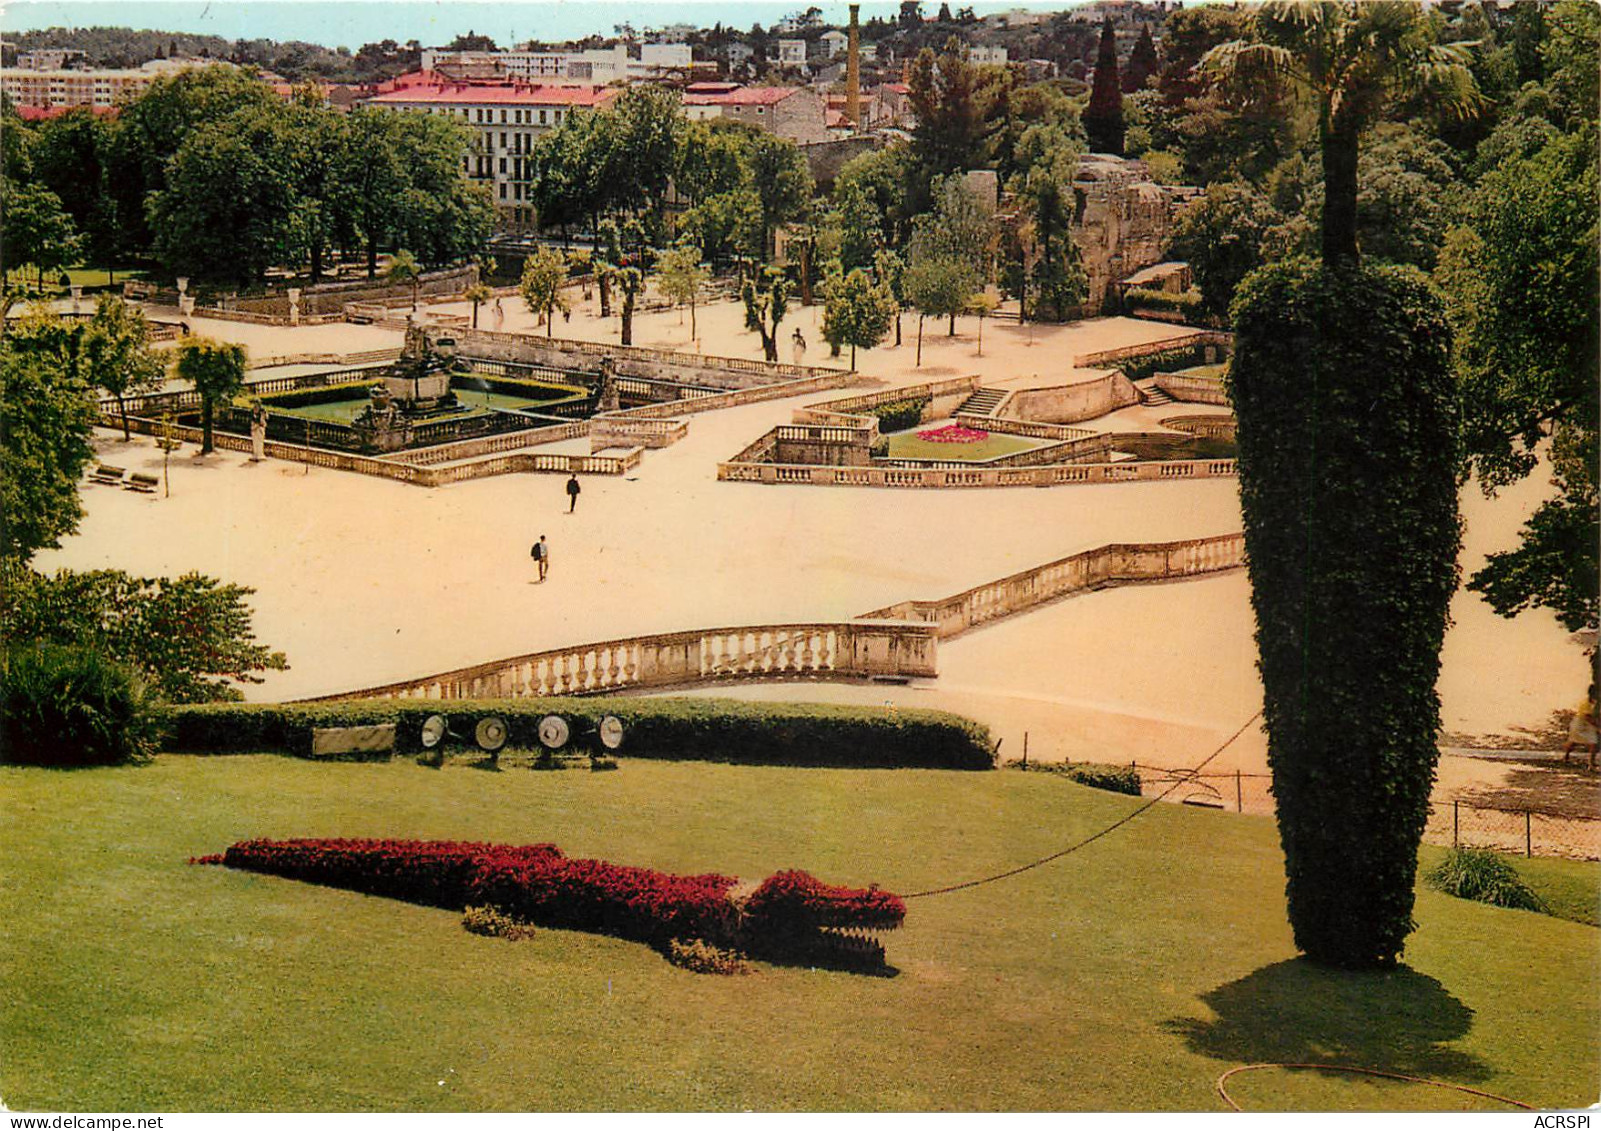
(1228,1099)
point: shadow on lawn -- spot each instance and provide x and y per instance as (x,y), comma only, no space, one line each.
(1299,1012)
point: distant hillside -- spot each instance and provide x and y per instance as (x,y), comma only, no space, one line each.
(117,47)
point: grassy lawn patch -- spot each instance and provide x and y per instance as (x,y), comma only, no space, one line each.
(906,445)
(1218,370)
(1127,976)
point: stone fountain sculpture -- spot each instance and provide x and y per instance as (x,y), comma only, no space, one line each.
(414,389)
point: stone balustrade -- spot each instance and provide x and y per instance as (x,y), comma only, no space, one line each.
(849,649)
(1208,426)
(748,471)
(828,379)
(492,445)
(1105,358)
(608,431)
(1033,429)
(1116,564)
(1199,390)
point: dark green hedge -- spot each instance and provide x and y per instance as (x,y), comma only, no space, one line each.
(1184,302)
(713,730)
(898,416)
(1166,361)
(1096,775)
(1348,437)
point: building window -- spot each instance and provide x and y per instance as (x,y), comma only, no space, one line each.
(542,117)
(503,117)
(503,192)
(502,164)
(503,139)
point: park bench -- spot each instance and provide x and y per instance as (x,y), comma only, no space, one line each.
(105,473)
(146,484)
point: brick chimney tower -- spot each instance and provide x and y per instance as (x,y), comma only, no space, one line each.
(853,73)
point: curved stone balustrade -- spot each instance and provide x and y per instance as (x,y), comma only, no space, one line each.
(1116,564)
(851,649)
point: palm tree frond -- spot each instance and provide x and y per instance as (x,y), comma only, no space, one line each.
(1240,64)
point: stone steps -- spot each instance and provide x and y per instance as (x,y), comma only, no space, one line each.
(982,402)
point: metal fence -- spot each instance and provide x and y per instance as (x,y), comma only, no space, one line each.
(1530,830)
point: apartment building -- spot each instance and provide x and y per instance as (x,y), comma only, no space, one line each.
(49,89)
(506,117)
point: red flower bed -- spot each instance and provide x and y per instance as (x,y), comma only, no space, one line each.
(953,434)
(795,901)
(532,882)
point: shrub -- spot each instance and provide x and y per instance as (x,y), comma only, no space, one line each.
(898,416)
(702,957)
(1184,302)
(1096,775)
(1483,875)
(1348,437)
(62,706)
(794,734)
(1163,361)
(494,924)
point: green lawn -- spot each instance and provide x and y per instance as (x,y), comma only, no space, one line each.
(906,445)
(1218,370)
(473,400)
(1127,976)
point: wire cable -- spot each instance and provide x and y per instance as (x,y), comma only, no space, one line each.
(1093,837)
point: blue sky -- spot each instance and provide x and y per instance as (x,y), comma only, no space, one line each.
(350,23)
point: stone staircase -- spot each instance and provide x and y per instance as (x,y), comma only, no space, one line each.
(982,402)
(1150,393)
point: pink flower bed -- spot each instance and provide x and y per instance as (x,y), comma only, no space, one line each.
(953,434)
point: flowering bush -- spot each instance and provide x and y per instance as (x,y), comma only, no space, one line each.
(799,902)
(506,890)
(533,883)
(953,434)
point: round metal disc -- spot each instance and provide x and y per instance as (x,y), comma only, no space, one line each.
(611,732)
(553,731)
(490,733)
(433,731)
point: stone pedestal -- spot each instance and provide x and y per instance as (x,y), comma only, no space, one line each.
(77,298)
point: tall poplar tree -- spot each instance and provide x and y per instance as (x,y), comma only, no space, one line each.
(1103,120)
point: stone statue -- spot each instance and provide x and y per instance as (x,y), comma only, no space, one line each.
(258,433)
(607,398)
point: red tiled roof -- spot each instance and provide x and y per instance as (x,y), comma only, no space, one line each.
(45,113)
(742,96)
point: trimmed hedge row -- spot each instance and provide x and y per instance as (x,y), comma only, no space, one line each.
(1165,361)
(898,416)
(1096,775)
(1184,302)
(713,730)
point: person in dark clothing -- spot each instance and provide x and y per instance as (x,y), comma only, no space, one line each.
(572,493)
(541,556)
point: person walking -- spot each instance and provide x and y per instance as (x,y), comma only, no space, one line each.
(500,315)
(572,493)
(1582,734)
(541,555)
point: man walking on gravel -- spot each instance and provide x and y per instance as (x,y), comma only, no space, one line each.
(572,493)
(541,556)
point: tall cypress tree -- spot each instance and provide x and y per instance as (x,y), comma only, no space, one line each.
(1103,120)
(1142,62)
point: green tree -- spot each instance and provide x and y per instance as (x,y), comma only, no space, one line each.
(857,311)
(983,304)
(782,181)
(952,99)
(544,274)
(886,176)
(860,227)
(1351,60)
(67,157)
(959,236)
(1103,118)
(478,294)
(726,225)
(38,230)
(650,129)
(631,282)
(681,276)
(1224,237)
(216,370)
(937,284)
(405,270)
(890,270)
(766,301)
(45,419)
(370,171)
(116,353)
(1526,358)
(188,637)
(1352,544)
